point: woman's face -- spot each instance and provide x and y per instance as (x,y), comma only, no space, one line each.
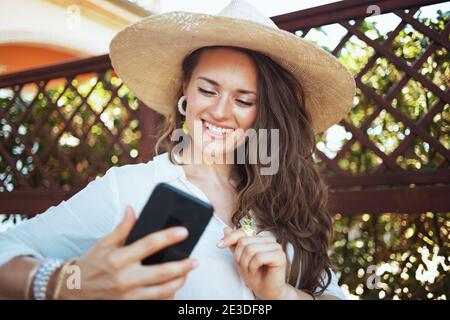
(221,100)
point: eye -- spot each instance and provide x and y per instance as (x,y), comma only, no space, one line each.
(206,92)
(245,103)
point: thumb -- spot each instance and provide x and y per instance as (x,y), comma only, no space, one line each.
(227,231)
(120,233)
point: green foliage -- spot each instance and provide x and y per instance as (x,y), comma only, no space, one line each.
(410,251)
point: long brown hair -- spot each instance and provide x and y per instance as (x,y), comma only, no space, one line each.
(292,202)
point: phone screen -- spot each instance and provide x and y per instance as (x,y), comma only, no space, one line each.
(168,207)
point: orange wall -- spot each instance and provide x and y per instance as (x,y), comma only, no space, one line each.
(18,57)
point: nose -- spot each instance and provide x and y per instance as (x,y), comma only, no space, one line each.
(221,109)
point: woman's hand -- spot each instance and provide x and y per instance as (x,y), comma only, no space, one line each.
(260,261)
(110,270)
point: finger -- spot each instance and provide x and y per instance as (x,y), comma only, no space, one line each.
(247,247)
(122,230)
(268,258)
(160,273)
(244,242)
(251,250)
(149,245)
(162,291)
(231,238)
(227,231)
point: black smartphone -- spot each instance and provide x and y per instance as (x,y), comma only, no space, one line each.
(168,207)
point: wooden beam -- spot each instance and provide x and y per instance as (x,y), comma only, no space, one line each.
(419,177)
(31,202)
(347,202)
(61,70)
(397,200)
(341,11)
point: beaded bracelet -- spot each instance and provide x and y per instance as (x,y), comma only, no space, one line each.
(43,275)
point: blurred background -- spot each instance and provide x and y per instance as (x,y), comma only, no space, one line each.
(65,117)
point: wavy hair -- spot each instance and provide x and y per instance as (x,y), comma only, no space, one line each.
(292,202)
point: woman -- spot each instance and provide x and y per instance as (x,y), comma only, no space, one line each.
(216,77)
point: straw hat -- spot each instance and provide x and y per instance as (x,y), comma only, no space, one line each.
(147,55)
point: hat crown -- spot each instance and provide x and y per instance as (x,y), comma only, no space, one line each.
(240,9)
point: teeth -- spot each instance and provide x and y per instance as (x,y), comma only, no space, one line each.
(218,130)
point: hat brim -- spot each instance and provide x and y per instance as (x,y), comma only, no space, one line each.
(147,56)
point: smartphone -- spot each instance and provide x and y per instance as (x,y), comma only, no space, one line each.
(167,207)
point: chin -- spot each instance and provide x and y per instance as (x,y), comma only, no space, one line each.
(215,150)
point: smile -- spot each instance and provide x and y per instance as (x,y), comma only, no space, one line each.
(217,131)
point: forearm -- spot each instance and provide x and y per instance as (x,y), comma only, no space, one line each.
(14,276)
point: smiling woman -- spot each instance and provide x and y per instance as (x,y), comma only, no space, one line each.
(291,206)
(226,75)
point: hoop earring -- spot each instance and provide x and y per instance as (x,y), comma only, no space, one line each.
(180,105)
(183,112)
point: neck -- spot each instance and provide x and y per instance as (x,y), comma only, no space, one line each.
(216,169)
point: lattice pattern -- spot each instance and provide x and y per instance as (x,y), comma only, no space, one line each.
(61,132)
(386,129)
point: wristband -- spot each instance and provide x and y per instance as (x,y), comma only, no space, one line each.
(42,277)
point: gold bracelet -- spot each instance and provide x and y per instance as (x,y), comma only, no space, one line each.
(60,279)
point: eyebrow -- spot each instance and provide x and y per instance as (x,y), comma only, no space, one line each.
(215,83)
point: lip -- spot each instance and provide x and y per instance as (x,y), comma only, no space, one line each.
(212,134)
(216,124)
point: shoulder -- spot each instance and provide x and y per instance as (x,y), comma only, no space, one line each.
(133,183)
(131,172)
(159,169)
(333,288)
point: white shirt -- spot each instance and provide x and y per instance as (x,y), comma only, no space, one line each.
(74,226)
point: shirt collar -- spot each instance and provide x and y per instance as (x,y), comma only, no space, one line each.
(165,170)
